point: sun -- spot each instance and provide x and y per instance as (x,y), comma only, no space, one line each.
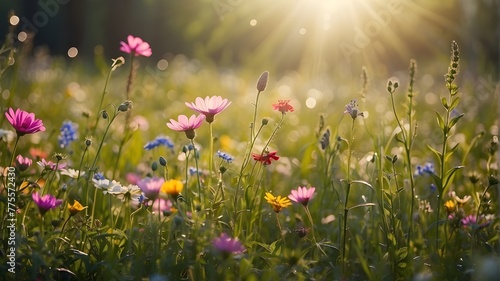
(314,36)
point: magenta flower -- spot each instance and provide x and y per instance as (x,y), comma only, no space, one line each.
(23,162)
(228,245)
(151,187)
(24,122)
(302,195)
(136,46)
(209,106)
(45,202)
(186,125)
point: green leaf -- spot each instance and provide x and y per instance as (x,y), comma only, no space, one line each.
(439,155)
(449,176)
(440,120)
(455,119)
(444,102)
(362,205)
(451,151)
(454,103)
(402,253)
(363,183)
(438,183)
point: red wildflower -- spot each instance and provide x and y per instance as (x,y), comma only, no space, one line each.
(283,106)
(266,157)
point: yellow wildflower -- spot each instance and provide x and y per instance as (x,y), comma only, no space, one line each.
(172,187)
(278,203)
(75,208)
(450,206)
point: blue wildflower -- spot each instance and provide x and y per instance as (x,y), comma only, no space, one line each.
(224,156)
(352,109)
(192,171)
(68,133)
(433,187)
(159,141)
(427,169)
(99,176)
(325,139)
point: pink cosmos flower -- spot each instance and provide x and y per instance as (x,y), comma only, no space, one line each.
(24,122)
(51,165)
(151,187)
(266,157)
(302,195)
(186,125)
(45,202)
(23,162)
(283,106)
(136,46)
(209,106)
(162,205)
(228,245)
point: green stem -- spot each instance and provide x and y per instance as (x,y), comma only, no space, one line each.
(95,162)
(11,162)
(348,189)
(102,100)
(198,173)
(308,213)
(252,133)
(211,155)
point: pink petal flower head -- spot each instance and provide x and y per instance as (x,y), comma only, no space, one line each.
(209,106)
(186,125)
(45,202)
(302,195)
(49,165)
(283,106)
(228,245)
(23,162)
(24,122)
(266,157)
(162,205)
(151,187)
(136,46)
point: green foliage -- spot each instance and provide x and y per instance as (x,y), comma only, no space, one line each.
(378,212)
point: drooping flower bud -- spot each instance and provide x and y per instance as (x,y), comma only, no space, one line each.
(262,82)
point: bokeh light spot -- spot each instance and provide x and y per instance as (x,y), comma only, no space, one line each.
(14,20)
(311,102)
(22,36)
(162,64)
(253,22)
(72,52)
(302,31)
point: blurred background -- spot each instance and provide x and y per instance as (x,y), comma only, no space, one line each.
(309,36)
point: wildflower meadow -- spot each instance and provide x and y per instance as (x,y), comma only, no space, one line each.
(109,173)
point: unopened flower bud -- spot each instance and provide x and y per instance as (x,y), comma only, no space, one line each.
(265,121)
(162,161)
(154,166)
(105,114)
(59,156)
(125,106)
(262,82)
(222,169)
(88,141)
(185,149)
